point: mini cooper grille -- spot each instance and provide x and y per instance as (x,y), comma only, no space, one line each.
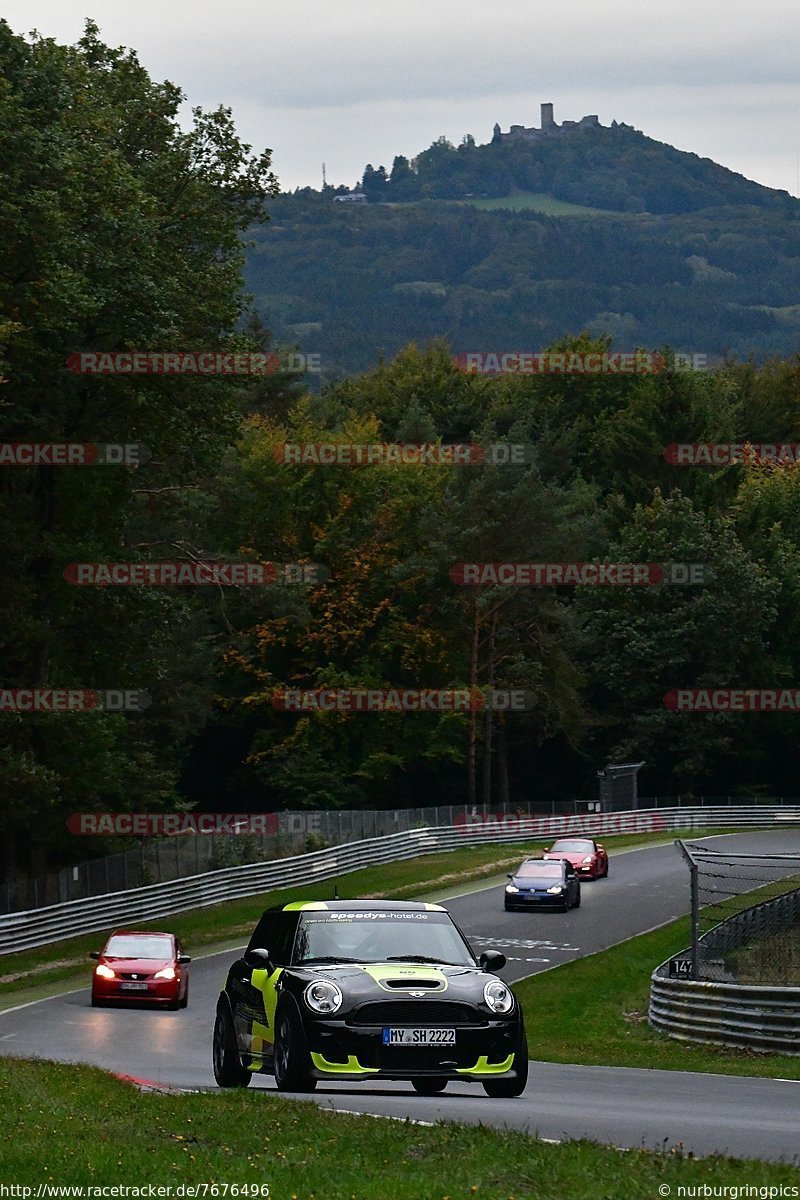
(415,1012)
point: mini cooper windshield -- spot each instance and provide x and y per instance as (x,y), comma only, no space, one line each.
(381,936)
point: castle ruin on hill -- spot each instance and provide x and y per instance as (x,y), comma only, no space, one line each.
(549,127)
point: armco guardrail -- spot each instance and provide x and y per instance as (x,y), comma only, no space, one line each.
(754,1016)
(37,927)
(731,1014)
(164,859)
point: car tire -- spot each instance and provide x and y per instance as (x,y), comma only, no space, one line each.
(228,1069)
(577,903)
(507,1089)
(185,1001)
(429,1087)
(291,1063)
(97,1003)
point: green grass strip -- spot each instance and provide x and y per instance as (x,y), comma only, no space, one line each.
(594,1011)
(79,1126)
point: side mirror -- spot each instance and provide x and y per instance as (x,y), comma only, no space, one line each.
(599,847)
(183,959)
(94,954)
(509,876)
(492,960)
(259,957)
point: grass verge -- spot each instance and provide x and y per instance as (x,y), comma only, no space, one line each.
(543,203)
(78,1126)
(594,1011)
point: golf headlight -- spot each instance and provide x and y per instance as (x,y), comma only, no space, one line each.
(510,888)
(104,972)
(323,996)
(554,891)
(165,973)
(498,997)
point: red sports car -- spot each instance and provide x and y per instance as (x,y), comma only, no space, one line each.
(587,856)
(141,966)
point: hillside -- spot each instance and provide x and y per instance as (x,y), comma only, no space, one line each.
(512,244)
(616,168)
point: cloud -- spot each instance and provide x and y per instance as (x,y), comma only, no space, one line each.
(352,83)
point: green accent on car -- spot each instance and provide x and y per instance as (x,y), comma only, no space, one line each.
(484,1067)
(351,1067)
(266,983)
(305,905)
(409,971)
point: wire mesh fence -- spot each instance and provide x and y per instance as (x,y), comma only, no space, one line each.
(161,860)
(745,914)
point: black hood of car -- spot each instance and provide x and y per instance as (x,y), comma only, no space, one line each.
(539,880)
(393,981)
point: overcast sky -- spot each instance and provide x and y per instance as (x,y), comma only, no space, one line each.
(346,82)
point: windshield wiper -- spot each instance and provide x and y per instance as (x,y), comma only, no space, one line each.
(326,958)
(420,958)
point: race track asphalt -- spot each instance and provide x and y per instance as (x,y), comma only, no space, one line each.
(745,1117)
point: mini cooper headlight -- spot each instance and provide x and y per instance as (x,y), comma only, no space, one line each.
(510,888)
(555,891)
(589,858)
(323,996)
(498,996)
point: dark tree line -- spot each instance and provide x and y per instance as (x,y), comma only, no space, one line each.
(124,233)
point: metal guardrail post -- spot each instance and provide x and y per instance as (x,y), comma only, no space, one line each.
(695,907)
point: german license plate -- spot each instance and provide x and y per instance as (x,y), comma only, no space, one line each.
(419,1037)
(133,987)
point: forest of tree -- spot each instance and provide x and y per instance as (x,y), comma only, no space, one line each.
(121,232)
(357,283)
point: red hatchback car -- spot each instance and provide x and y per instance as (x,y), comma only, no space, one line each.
(587,856)
(141,966)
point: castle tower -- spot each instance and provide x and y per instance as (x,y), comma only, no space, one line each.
(547,116)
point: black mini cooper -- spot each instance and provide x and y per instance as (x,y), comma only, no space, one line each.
(352,990)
